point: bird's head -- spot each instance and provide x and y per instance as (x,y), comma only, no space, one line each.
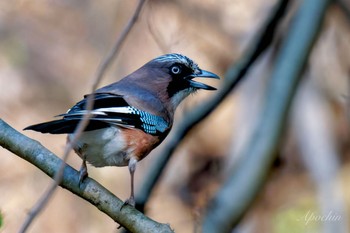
(176,74)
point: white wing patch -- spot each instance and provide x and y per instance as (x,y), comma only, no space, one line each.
(148,122)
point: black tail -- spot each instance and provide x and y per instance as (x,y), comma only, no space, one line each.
(64,126)
(55,127)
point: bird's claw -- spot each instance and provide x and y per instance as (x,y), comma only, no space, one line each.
(130,201)
(82,175)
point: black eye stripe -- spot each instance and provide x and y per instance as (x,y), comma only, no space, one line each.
(180,70)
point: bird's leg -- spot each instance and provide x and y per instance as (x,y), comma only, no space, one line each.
(132,168)
(83,171)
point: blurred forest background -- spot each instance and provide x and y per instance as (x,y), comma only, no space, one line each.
(50,50)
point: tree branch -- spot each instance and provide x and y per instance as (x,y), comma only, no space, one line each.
(244,182)
(233,77)
(93,192)
(84,122)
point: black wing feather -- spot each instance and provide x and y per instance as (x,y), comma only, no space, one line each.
(64,126)
(132,118)
(101,100)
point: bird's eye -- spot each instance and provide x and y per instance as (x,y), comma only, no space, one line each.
(175,70)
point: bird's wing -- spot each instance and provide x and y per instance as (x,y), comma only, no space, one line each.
(109,109)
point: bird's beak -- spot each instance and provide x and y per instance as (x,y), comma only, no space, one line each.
(202,74)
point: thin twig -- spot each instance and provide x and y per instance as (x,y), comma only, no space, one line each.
(157,37)
(84,122)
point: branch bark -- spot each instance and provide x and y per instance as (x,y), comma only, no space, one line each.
(245,181)
(91,191)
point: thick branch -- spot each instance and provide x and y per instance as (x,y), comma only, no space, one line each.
(238,192)
(93,192)
(233,77)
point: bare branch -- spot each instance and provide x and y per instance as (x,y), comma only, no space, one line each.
(245,181)
(156,37)
(93,192)
(117,46)
(233,77)
(84,122)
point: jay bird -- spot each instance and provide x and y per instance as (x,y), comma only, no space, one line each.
(132,116)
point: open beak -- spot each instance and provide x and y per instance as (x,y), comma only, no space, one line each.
(202,74)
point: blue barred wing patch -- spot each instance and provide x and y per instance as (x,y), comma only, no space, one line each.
(150,123)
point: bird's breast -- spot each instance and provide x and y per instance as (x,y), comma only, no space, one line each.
(114,146)
(140,143)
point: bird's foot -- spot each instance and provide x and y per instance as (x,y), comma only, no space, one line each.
(129,201)
(82,175)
